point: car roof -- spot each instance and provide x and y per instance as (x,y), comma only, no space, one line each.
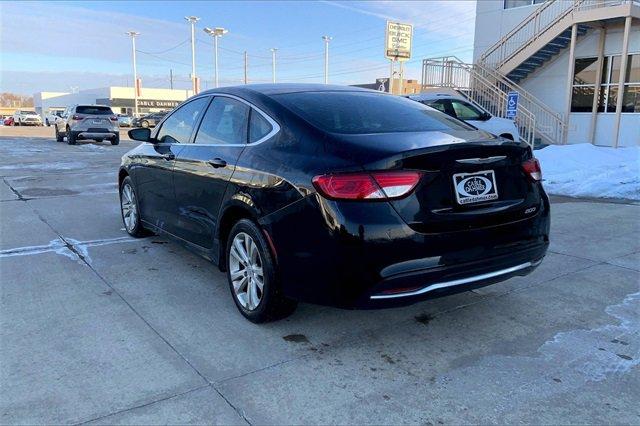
(281,88)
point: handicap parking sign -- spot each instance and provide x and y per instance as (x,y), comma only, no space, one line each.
(512,104)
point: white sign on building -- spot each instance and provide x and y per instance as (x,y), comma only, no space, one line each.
(398,41)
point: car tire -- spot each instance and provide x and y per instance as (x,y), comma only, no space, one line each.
(71,137)
(129,209)
(115,140)
(251,267)
(145,124)
(59,137)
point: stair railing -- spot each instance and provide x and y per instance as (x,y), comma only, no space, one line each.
(534,25)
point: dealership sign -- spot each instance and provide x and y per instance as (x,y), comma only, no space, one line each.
(145,103)
(398,41)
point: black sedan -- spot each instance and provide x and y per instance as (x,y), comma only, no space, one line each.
(335,195)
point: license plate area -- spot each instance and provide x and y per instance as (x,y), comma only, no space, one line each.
(475,187)
(97,121)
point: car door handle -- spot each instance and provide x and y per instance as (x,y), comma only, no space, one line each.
(168,156)
(218,162)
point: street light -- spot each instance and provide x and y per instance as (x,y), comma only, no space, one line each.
(133,35)
(326,39)
(216,33)
(273,64)
(192,20)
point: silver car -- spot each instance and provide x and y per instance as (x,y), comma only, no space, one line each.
(79,122)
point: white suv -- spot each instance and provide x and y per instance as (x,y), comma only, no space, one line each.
(97,122)
(26,118)
(462,109)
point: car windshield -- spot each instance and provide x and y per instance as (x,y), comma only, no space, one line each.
(366,112)
(94,110)
(27,112)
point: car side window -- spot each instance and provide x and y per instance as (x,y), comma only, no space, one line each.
(225,122)
(179,126)
(439,105)
(259,127)
(466,111)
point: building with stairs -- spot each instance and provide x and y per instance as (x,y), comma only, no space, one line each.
(569,60)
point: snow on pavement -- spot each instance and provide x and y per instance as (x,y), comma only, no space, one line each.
(585,170)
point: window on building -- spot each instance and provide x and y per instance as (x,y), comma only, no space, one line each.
(508,4)
(585,84)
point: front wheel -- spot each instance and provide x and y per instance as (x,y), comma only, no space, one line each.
(129,209)
(115,140)
(144,124)
(251,272)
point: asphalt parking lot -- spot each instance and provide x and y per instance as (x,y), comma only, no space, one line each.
(98,327)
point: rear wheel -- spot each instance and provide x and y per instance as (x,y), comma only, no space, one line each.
(59,137)
(71,137)
(129,209)
(115,140)
(251,272)
(144,124)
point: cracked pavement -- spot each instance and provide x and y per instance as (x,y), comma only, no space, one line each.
(97,327)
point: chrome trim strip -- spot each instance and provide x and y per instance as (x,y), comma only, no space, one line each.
(481,160)
(456,282)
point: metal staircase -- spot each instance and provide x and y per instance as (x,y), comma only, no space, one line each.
(536,40)
(486,87)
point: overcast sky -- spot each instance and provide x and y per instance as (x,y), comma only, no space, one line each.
(54,46)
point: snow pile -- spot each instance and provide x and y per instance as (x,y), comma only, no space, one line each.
(584,170)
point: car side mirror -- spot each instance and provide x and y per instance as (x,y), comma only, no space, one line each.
(141,134)
(486,116)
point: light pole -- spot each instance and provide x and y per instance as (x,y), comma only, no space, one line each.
(326,39)
(192,20)
(133,35)
(273,64)
(216,33)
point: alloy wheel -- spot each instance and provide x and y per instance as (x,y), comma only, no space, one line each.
(129,207)
(245,269)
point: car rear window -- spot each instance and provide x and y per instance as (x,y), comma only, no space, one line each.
(366,112)
(94,110)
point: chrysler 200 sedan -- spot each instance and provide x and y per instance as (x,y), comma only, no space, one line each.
(335,195)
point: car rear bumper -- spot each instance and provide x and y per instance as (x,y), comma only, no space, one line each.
(96,135)
(326,256)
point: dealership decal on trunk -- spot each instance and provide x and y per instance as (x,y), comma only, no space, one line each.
(475,187)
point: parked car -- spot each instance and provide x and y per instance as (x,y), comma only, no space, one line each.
(462,109)
(149,120)
(26,118)
(125,120)
(8,121)
(97,122)
(335,195)
(52,117)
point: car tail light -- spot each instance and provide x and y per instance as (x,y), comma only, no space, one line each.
(532,168)
(76,117)
(113,118)
(366,186)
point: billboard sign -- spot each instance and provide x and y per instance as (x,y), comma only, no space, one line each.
(397,45)
(512,105)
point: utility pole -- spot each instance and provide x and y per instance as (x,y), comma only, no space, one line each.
(133,35)
(273,64)
(326,39)
(171,78)
(216,33)
(192,20)
(391,77)
(246,67)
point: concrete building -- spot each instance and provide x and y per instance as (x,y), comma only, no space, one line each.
(564,58)
(120,99)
